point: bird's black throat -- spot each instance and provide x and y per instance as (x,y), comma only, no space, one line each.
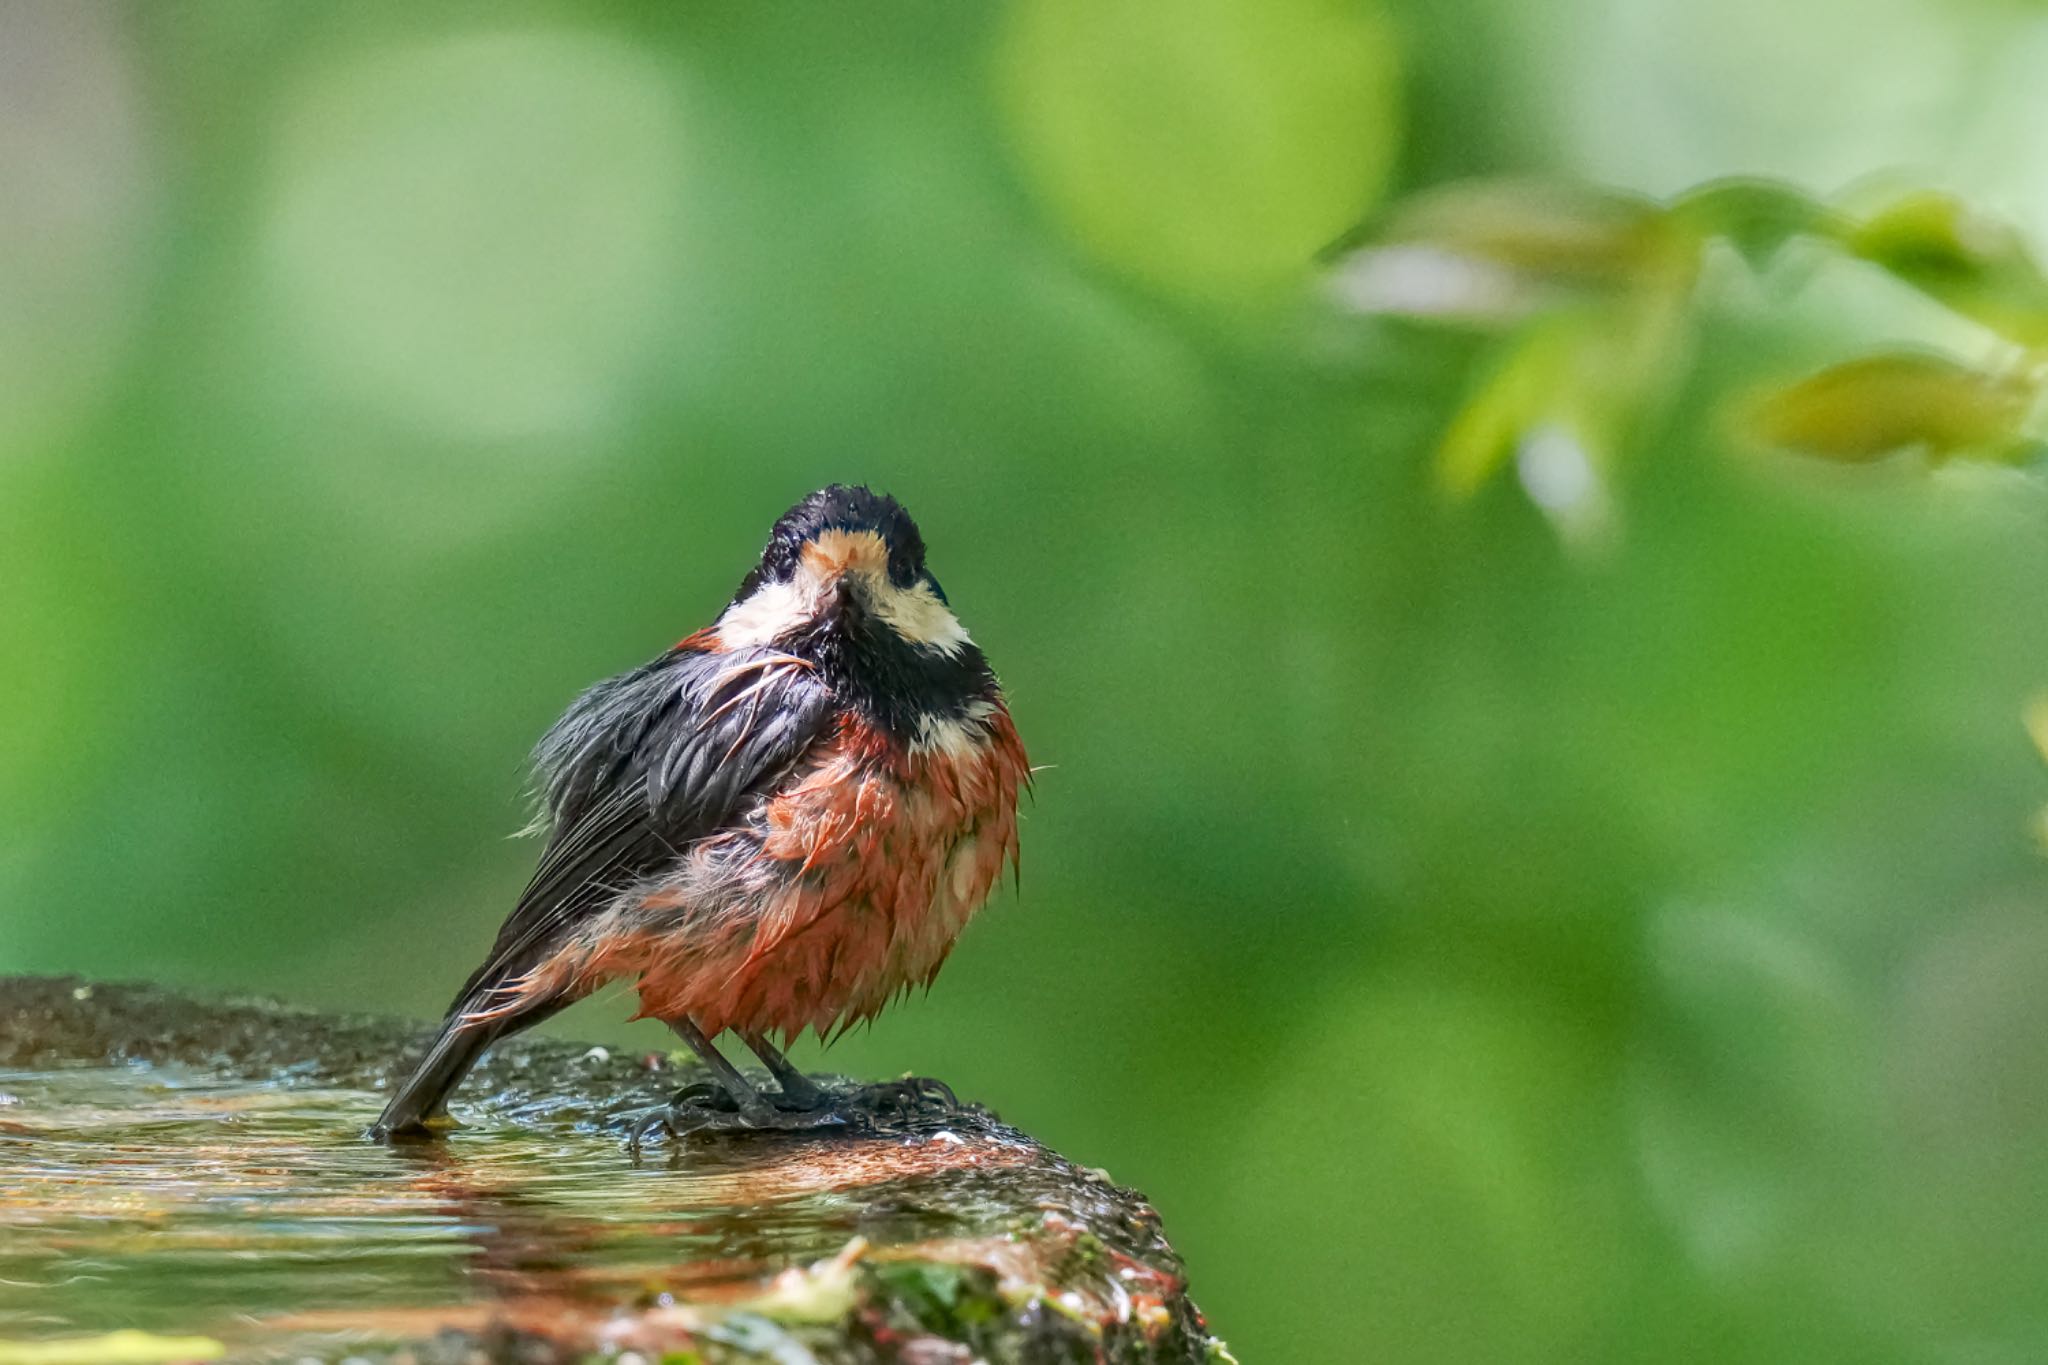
(891,681)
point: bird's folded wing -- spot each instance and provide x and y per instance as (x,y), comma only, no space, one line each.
(640,767)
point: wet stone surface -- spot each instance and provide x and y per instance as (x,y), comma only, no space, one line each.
(184,1180)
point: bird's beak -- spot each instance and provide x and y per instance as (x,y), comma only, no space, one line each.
(844,562)
(848,600)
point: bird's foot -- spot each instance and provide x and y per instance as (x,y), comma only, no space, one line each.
(908,1097)
(799,1094)
(708,1108)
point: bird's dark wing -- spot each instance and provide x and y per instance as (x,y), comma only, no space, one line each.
(641,766)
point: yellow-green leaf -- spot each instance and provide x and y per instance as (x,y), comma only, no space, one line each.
(1756,217)
(1563,233)
(1867,408)
(1526,387)
(1973,264)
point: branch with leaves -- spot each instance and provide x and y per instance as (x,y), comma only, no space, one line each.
(1589,297)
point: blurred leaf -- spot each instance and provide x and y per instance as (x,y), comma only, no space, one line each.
(2035,718)
(1865,409)
(1558,232)
(115,1348)
(1756,217)
(1979,267)
(1493,252)
(1526,388)
(1419,280)
(1210,156)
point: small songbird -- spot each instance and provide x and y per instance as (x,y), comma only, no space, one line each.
(780,824)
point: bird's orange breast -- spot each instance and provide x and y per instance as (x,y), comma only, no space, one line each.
(846,887)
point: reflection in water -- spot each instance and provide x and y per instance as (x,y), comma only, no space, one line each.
(165,1201)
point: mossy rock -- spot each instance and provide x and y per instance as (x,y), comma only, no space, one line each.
(187,1180)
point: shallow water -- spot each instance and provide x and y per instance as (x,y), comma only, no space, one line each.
(192,1175)
(169,1200)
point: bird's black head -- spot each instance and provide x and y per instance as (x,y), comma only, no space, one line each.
(843,582)
(847,508)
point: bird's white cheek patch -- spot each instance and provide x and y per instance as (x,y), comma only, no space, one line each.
(773,610)
(917,615)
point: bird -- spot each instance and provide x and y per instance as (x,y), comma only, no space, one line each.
(778,825)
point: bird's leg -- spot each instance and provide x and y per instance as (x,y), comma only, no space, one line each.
(738,1088)
(696,1109)
(910,1095)
(798,1091)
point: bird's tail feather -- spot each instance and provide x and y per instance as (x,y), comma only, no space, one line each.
(420,1106)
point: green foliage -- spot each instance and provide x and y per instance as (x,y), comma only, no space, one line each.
(1973,264)
(1877,405)
(952,1301)
(1597,291)
(1758,218)
(1522,872)
(1210,161)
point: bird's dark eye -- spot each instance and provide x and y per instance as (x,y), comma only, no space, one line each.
(937,591)
(905,565)
(778,564)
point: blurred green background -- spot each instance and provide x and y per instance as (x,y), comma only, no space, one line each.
(1495,919)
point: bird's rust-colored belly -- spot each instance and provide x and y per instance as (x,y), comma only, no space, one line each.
(849,887)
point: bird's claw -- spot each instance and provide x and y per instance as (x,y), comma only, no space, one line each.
(706,1108)
(703,1095)
(670,1121)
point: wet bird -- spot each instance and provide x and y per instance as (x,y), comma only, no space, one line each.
(780,824)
